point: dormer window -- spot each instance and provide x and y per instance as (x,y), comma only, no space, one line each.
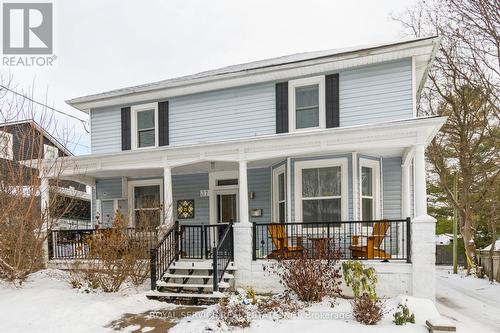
(50,152)
(145,126)
(306,103)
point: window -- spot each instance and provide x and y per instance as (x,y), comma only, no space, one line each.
(369,183)
(50,152)
(307,103)
(145,126)
(322,189)
(147,210)
(279,194)
(227,182)
(6,145)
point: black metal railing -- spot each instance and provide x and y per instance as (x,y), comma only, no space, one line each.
(379,240)
(164,253)
(76,244)
(223,254)
(198,240)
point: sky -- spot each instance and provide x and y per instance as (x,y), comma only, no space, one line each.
(108,44)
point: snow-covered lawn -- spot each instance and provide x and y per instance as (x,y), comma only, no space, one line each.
(322,318)
(474,304)
(46,303)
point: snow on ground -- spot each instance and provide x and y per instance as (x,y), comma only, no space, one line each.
(46,303)
(321,318)
(473,304)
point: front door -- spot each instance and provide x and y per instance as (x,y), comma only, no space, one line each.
(227,207)
(146,203)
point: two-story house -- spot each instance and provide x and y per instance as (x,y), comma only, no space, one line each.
(23,144)
(301,152)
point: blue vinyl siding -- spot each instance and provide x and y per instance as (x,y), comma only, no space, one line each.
(106,129)
(109,188)
(187,187)
(223,114)
(368,94)
(259,182)
(392,187)
(376,93)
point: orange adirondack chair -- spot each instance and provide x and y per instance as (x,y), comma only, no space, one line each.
(371,250)
(280,240)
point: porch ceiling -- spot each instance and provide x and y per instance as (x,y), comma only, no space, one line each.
(382,139)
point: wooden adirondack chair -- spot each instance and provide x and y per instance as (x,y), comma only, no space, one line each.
(371,250)
(280,240)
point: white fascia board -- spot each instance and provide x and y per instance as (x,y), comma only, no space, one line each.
(354,138)
(422,50)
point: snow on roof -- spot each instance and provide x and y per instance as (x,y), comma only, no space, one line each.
(254,65)
(497,246)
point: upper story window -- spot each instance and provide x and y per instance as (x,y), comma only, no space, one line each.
(6,150)
(50,152)
(144,126)
(306,103)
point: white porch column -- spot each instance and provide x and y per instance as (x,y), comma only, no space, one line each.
(423,246)
(44,211)
(168,201)
(242,233)
(243,181)
(406,212)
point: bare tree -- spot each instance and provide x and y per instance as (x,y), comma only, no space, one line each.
(23,223)
(463,85)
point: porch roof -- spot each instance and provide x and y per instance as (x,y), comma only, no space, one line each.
(395,136)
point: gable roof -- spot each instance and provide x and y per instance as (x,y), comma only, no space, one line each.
(161,88)
(39,129)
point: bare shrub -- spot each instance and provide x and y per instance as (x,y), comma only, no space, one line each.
(118,256)
(366,310)
(234,314)
(311,278)
(279,306)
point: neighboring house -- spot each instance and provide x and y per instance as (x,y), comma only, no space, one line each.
(23,144)
(301,152)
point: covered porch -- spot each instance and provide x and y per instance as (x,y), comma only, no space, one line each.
(359,189)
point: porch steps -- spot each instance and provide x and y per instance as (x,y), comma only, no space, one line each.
(163,284)
(191,281)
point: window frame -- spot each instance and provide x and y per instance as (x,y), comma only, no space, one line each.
(292,86)
(9,153)
(281,170)
(323,163)
(135,109)
(46,148)
(376,178)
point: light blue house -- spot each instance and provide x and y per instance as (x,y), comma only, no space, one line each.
(301,152)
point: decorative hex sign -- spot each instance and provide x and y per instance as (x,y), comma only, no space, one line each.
(185,209)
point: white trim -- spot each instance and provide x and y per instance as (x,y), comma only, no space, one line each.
(396,134)
(321,163)
(137,183)
(133,123)
(292,86)
(214,189)
(9,152)
(376,186)
(355,187)
(275,192)
(288,216)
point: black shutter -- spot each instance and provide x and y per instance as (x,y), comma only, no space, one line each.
(163,123)
(282,107)
(332,100)
(126,132)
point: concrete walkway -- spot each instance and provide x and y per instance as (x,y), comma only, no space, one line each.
(473,304)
